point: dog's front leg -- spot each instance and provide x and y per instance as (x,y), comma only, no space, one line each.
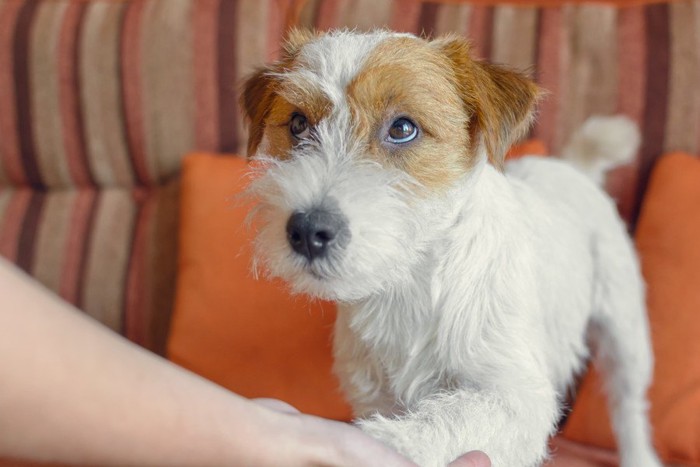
(512,426)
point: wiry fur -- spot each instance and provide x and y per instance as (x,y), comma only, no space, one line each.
(465,309)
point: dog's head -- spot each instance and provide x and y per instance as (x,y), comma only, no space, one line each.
(363,140)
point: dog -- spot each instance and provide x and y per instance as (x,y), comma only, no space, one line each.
(469,290)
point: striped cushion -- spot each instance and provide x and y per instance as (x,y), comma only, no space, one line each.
(643,61)
(107,93)
(110,251)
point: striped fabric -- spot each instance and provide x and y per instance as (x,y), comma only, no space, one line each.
(100,100)
(641,60)
(114,93)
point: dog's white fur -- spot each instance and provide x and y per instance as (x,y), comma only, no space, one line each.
(464,316)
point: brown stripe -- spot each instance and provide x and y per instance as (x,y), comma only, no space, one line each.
(428,19)
(405,15)
(366,15)
(549,76)
(11,225)
(26,243)
(132,87)
(101,94)
(227,55)
(622,182)
(69,81)
(657,42)
(167,87)
(11,168)
(683,118)
(47,127)
(52,234)
(480,30)
(75,257)
(22,93)
(205,19)
(5,197)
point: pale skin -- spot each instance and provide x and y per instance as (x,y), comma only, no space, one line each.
(72,391)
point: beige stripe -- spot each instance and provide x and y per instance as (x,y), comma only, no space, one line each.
(108,257)
(514,36)
(366,15)
(101,94)
(43,79)
(683,119)
(453,18)
(168,99)
(592,84)
(51,237)
(250,47)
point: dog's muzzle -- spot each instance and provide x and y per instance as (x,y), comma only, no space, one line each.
(314,233)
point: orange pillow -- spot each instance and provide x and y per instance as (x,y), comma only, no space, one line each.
(668,240)
(247,335)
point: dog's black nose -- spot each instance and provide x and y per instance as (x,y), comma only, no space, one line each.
(312,233)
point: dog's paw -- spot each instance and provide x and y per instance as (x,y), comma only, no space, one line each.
(405,437)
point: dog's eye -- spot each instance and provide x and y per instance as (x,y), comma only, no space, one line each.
(299,126)
(402,131)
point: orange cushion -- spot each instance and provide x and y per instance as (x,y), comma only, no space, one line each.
(668,240)
(530,147)
(247,335)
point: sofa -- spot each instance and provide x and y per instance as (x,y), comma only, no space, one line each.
(102,100)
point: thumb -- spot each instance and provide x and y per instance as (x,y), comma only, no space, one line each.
(472,459)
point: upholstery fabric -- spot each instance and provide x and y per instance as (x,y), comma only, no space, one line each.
(641,60)
(111,252)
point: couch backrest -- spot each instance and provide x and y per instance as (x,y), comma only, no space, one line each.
(100,100)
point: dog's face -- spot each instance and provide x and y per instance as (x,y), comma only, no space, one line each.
(363,140)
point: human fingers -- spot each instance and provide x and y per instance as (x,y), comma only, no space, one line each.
(472,459)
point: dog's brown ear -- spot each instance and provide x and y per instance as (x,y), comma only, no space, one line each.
(259,87)
(500,101)
(256,100)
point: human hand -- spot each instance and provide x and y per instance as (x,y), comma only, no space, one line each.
(347,445)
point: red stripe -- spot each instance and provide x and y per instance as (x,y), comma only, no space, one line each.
(11,225)
(22,53)
(81,218)
(405,15)
(276,25)
(481,30)
(136,301)
(132,87)
(549,74)
(228,91)
(327,14)
(205,19)
(656,92)
(10,154)
(69,94)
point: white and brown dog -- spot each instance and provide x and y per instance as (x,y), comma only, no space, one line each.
(468,289)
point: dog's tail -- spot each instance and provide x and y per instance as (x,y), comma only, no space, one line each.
(601,144)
